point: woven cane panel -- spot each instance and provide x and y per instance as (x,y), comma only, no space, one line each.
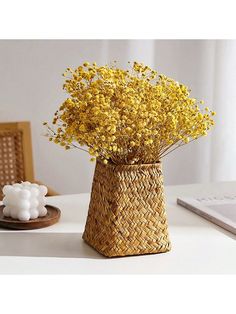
(127,211)
(11,158)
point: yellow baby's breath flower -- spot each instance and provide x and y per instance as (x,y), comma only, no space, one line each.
(126,116)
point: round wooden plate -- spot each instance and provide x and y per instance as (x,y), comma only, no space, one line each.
(51,218)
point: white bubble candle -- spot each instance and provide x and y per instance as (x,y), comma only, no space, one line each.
(24,201)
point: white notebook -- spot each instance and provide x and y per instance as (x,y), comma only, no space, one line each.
(219,210)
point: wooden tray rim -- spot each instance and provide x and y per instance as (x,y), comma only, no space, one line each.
(37,223)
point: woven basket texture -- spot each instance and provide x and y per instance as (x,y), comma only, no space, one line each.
(127,210)
(11,158)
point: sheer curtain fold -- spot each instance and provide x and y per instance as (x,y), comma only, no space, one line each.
(223,148)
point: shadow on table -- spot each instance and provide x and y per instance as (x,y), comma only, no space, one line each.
(70,245)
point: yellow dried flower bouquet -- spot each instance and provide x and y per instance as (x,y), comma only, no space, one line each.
(128,120)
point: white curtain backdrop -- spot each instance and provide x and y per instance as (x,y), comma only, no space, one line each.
(223,146)
(31,89)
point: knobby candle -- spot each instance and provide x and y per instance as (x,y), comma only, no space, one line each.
(24,201)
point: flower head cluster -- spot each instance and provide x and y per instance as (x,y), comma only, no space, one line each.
(127,116)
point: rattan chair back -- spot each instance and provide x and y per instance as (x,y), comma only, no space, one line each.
(16,162)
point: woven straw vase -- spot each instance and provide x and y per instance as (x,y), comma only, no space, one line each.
(127,210)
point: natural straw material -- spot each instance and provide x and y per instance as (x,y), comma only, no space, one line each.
(11,158)
(127,210)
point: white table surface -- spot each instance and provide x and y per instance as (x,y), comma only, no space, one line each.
(198,246)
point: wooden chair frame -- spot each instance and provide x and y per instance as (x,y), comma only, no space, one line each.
(25,128)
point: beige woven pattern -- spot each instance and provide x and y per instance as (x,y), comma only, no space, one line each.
(11,158)
(127,211)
